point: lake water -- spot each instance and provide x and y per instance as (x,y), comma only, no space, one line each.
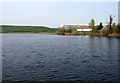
(43,57)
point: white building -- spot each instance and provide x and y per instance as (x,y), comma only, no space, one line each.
(79,27)
(84,29)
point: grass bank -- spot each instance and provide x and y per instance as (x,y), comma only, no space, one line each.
(94,34)
(27,29)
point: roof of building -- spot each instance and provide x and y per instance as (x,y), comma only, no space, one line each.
(78,26)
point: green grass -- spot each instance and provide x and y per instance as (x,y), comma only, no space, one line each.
(85,32)
(27,29)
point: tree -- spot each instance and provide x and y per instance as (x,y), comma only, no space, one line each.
(70,29)
(92,26)
(100,26)
(110,23)
(89,25)
(111,19)
(61,31)
(118,27)
(115,30)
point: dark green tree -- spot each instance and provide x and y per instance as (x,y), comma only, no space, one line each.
(114,28)
(70,29)
(100,26)
(118,27)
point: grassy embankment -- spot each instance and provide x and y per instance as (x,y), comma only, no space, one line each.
(78,33)
(103,32)
(27,29)
(92,34)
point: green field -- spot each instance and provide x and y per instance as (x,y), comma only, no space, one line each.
(27,29)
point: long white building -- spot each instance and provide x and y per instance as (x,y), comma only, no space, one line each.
(79,27)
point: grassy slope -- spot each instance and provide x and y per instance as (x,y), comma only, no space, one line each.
(28,29)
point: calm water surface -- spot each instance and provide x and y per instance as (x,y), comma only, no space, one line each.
(40,57)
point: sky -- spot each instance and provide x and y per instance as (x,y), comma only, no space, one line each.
(52,14)
(119,13)
(60,0)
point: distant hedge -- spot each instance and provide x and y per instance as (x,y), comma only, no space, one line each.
(29,29)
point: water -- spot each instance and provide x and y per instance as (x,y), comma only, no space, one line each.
(40,57)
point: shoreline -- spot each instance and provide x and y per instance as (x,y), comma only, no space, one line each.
(97,35)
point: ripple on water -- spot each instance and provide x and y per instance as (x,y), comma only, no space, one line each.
(53,70)
(8,76)
(46,57)
(34,76)
(50,76)
(85,61)
(71,76)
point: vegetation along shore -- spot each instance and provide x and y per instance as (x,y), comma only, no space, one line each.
(111,29)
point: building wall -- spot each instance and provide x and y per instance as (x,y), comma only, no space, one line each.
(84,29)
(119,12)
(74,25)
(79,26)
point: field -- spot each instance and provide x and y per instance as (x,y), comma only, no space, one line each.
(27,29)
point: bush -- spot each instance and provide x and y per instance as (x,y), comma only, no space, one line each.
(75,32)
(106,32)
(118,28)
(61,31)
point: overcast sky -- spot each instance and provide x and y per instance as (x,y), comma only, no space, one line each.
(55,13)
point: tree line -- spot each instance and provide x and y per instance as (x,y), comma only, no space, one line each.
(111,29)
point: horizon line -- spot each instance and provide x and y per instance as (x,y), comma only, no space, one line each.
(27,25)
